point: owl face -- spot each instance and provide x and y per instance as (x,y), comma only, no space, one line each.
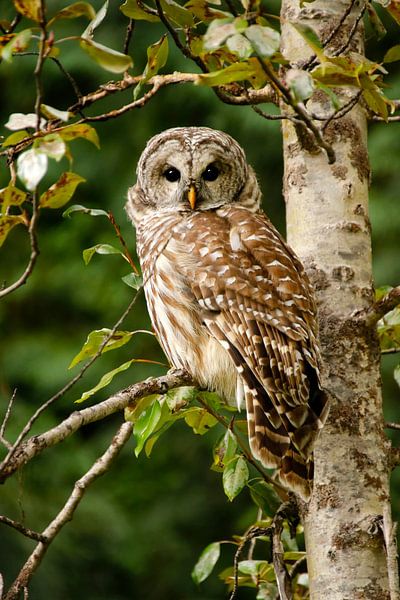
(191,168)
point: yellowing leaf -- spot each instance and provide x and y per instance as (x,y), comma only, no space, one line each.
(157,55)
(177,13)
(109,59)
(95,22)
(18,43)
(249,70)
(14,138)
(7,223)
(28,8)
(77,9)
(52,144)
(62,191)
(131,9)
(11,196)
(392,54)
(200,420)
(81,130)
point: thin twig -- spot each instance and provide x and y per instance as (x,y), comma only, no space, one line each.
(379,309)
(389,530)
(391,425)
(101,466)
(344,46)
(67,387)
(251,534)
(119,401)
(343,110)
(122,242)
(283,579)
(3,440)
(129,32)
(33,535)
(39,64)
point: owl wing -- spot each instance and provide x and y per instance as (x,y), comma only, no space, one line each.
(255,299)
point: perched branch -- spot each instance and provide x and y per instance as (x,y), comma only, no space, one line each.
(391,425)
(33,535)
(101,466)
(382,307)
(36,444)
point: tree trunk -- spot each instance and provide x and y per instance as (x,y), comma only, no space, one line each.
(348,531)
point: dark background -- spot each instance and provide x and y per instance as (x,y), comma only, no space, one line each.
(141,527)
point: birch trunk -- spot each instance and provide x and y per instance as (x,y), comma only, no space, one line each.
(347,523)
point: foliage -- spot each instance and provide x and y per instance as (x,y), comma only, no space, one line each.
(236,50)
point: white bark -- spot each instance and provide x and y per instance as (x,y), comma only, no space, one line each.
(328,226)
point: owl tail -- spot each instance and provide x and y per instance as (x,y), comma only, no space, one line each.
(296,473)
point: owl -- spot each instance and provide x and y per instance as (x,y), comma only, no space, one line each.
(228,299)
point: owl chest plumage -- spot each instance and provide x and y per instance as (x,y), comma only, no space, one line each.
(175,313)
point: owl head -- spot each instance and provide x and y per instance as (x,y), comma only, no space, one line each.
(192,168)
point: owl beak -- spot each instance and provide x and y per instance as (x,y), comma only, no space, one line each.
(192,197)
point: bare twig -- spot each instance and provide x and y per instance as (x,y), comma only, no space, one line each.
(39,64)
(33,535)
(122,242)
(251,534)
(389,530)
(283,579)
(36,444)
(379,309)
(68,386)
(3,440)
(391,425)
(101,466)
(129,32)
(343,110)
(356,23)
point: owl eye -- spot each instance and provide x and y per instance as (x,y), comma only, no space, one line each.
(211,173)
(172,174)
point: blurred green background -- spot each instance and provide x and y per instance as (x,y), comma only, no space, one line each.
(141,527)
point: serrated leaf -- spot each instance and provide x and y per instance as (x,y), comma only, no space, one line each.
(180,397)
(396,375)
(11,196)
(99,249)
(93,212)
(15,138)
(31,168)
(81,130)
(177,13)
(29,8)
(95,22)
(96,338)
(52,144)
(18,121)
(200,420)
(104,381)
(77,9)
(239,45)
(53,113)
(131,9)
(18,43)
(206,562)
(300,83)
(7,223)
(392,54)
(146,425)
(62,191)
(264,40)
(109,59)
(264,495)
(133,280)
(235,476)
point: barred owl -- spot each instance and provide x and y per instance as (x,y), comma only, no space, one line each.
(228,299)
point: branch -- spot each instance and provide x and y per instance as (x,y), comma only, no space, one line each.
(101,466)
(389,530)
(250,534)
(33,535)
(37,443)
(283,579)
(379,309)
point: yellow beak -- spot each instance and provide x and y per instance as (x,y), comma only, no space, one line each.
(192,197)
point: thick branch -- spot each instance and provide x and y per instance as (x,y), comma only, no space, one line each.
(101,465)
(36,444)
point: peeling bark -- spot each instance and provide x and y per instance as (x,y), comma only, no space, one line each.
(329,228)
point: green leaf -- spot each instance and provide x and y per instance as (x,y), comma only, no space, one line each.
(374,97)
(95,22)
(200,420)
(93,212)
(380,292)
(142,12)
(104,381)
(31,168)
(14,138)
(7,223)
(224,451)
(180,397)
(396,375)
(62,191)
(264,495)
(81,130)
(389,330)
(11,196)
(18,43)
(109,59)
(235,476)
(206,562)
(146,425)
(157,55)
(293,555)
(264,40)
(255,568)
(239,45)
(311,38)
(177,13)
(249,70)
(53,113)
(203,11)
(376,23)
(96,338)
(300,83)
(331,95)
(52,144)
(18,121)
(77,9)
(99,249)
(392,54)
(29,8)
(133,280)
